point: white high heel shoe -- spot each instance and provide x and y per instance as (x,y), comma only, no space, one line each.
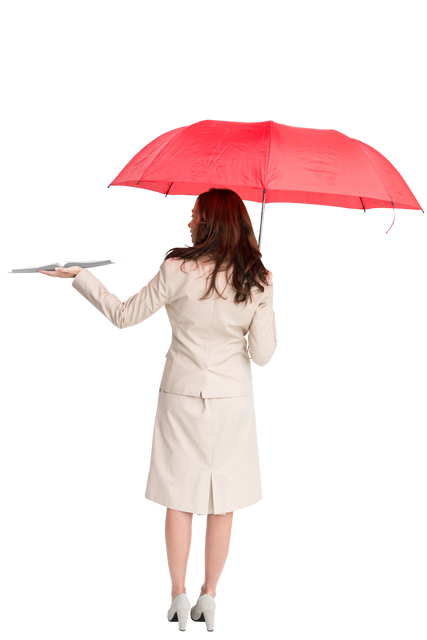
(204,611)
(178,611)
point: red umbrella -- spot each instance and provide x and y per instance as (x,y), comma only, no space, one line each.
(269,162)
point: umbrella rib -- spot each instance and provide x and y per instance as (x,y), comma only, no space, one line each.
(379,175)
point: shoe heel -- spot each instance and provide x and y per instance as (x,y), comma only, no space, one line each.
(209,615)
(183,624)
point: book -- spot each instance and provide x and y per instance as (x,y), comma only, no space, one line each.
(85,264)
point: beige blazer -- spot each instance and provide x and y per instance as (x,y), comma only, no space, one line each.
(208,354)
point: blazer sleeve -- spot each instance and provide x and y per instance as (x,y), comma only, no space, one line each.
(123,314)
(262,336)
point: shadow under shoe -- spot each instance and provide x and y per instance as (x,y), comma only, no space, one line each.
(204,611)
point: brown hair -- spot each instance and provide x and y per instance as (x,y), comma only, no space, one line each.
(225,233)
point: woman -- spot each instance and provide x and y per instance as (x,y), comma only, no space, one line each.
(204,456)
(221,231)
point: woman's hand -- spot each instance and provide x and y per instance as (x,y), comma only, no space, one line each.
(60,272)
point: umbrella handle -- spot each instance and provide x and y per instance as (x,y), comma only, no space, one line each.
(389,228)
(262,215)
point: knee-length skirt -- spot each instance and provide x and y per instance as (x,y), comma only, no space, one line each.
(204,456)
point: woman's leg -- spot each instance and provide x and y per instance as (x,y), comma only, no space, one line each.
(218,532)
(178,540)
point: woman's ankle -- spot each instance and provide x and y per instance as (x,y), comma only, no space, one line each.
(204,593)
(172,596)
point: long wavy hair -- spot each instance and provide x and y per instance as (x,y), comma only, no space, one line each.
(225,235)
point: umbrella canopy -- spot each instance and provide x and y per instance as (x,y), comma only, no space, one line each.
(269,162)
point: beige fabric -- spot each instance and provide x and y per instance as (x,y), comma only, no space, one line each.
(204,456)
(208,353)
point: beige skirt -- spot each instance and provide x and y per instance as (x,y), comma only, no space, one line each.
(204,456)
